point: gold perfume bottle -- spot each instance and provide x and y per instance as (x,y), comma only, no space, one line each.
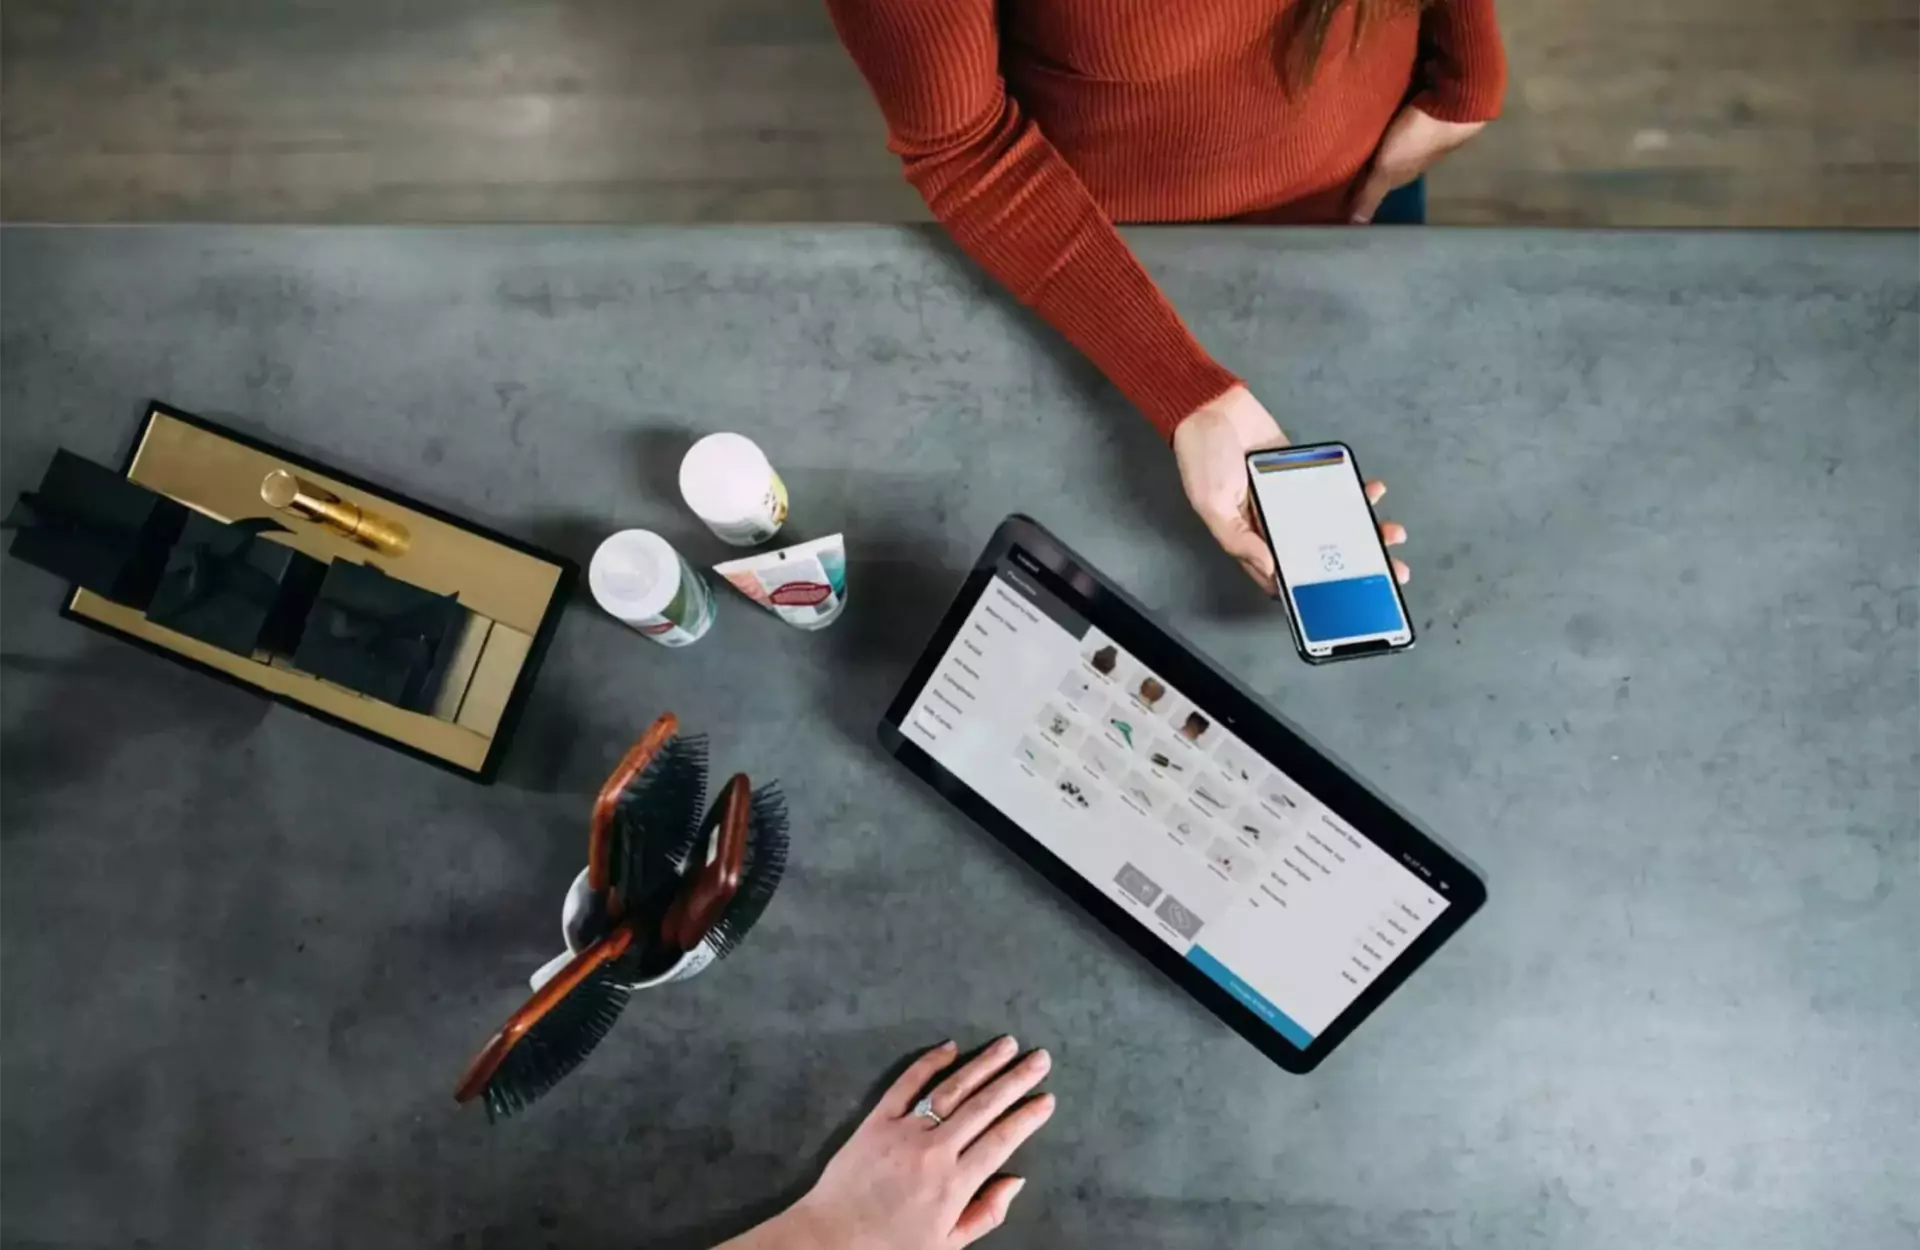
(283,490)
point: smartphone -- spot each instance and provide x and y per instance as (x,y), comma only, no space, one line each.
(1336,580)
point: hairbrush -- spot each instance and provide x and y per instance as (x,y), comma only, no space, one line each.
(553,1032)
(732,870)
(567,1017)
(645,818)
(668,893)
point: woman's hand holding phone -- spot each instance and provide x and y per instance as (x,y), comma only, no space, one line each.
(1211,447)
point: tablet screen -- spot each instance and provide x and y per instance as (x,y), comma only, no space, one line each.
(1142,791)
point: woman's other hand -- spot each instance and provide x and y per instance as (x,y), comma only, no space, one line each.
(1211,447)
(905,1182)
(1413,144)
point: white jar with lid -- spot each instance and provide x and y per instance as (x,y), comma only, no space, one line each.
(639,578)
(729,483)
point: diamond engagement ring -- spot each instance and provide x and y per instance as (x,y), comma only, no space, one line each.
(924,1110)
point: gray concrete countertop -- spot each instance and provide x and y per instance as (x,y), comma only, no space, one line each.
(1662,491)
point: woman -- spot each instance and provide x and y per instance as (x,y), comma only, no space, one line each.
(1031,126)
(922,1172)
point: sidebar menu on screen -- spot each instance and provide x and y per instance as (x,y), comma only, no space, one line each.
(1016,631)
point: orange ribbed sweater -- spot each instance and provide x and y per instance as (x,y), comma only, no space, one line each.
(1031,126)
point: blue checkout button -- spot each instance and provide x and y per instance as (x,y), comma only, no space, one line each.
(1224,977)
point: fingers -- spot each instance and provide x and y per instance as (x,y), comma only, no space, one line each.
(962,1085)
(1392,533)
(972,1117)
(1258,558)
(988,1210)
(1412,143)
(1254,558)
(991,1150)
(1259,567)
(1366,201)
(1237,538)
(903,1093)
(1235,534)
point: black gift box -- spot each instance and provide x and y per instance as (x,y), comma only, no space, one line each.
(94,528)
(226,585)
(380,636)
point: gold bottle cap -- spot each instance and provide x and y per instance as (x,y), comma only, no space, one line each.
(279,489)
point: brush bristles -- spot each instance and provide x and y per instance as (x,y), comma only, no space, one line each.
(555,1046)
(658,820)
(760,872)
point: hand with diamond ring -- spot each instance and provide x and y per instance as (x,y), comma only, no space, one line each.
(922,1172)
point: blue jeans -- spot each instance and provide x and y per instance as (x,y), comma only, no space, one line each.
(1405,206)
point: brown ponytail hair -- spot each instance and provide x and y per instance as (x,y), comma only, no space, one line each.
(1303,33)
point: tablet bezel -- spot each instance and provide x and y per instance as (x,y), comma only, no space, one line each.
(1117,615)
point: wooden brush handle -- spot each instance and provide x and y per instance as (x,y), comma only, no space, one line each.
(564,982)
(600,835)
(710,885)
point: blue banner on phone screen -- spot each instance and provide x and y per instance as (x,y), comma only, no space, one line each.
(1354,607)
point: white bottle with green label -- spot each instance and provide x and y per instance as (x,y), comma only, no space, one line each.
(728,482)
(639,578)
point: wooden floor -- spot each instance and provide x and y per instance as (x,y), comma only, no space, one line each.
(1622,112)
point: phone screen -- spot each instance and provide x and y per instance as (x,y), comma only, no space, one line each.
(1333,570)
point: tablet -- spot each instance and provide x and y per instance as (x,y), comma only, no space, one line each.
(1164,798)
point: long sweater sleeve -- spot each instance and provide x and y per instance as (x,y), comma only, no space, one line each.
(1463,64)
(1014,204)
